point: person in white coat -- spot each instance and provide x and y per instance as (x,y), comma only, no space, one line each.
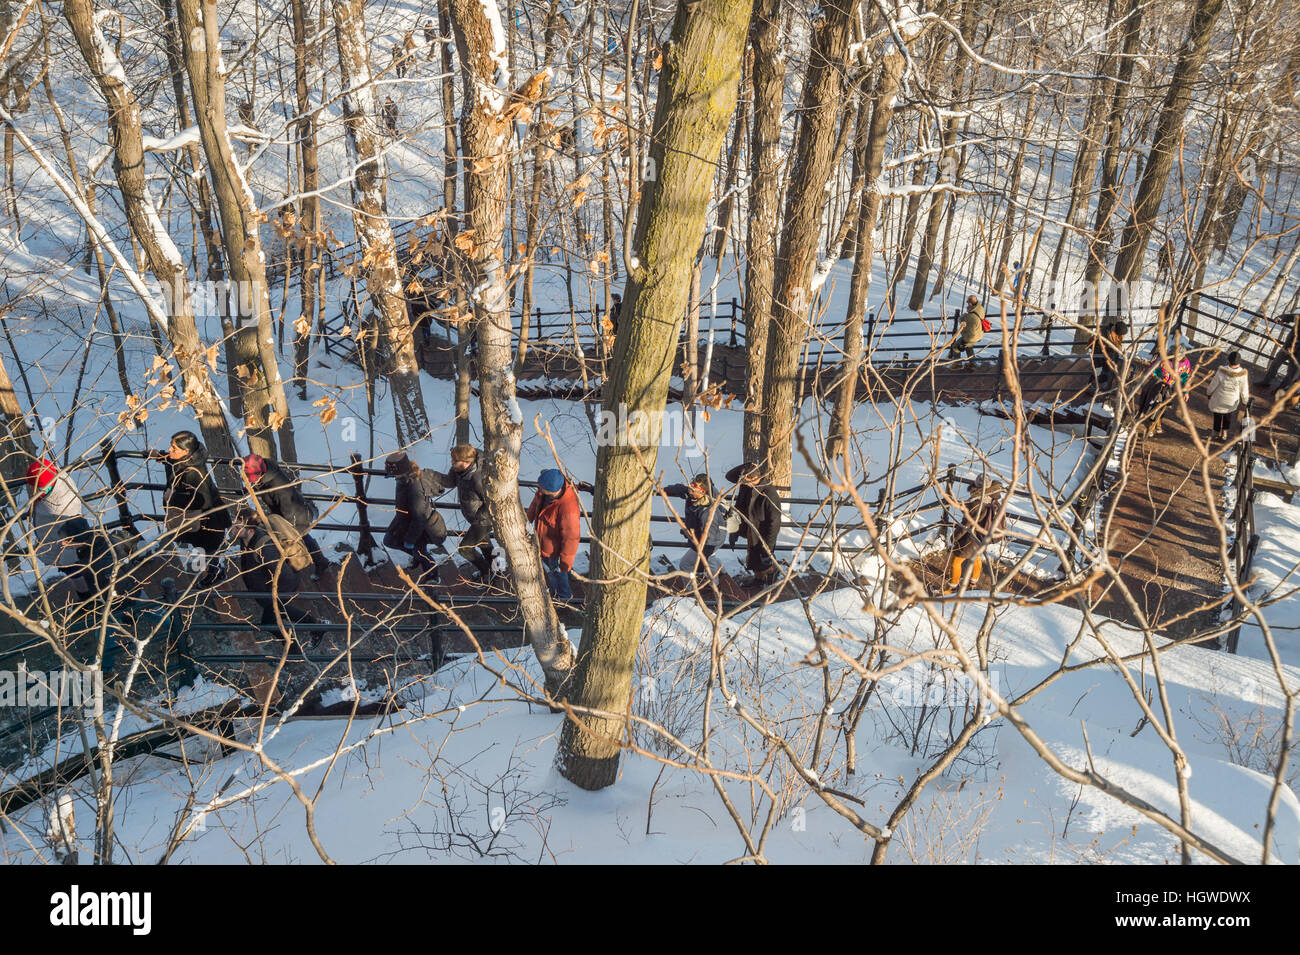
(1229,391)
(53,502)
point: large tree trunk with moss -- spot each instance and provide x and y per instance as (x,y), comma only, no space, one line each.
(265,411)
(1165,144)
(805,201)
(161,254)
(766,158)
(370,222)
(882,114)
(485,124)
(697,94)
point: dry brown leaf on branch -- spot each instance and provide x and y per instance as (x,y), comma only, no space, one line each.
(301,327)
(211,356)
(329,408)
(485,164)
(579,199)
(275,420)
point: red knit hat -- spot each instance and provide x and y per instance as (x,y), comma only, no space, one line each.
(41,474)
(254,467)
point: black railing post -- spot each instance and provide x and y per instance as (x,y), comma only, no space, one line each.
(366,542)
(947,483)
(537,320)
(871,334)
(109,457)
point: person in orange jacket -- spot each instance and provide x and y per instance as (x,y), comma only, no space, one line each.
(557,518)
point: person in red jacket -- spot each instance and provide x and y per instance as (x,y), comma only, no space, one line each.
(556,515)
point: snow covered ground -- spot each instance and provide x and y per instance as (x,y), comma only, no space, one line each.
(466,774)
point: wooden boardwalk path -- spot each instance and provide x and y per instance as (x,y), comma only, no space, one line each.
(556,371)
(1163,538)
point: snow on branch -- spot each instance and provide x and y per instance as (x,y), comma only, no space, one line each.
(186,137)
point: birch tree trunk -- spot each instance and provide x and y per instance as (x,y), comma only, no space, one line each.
(805,202)
(370,221)
(266,408)
(485,124)
(697,95)
(163,257)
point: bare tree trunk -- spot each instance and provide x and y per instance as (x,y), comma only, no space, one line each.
(805,201)
(765,162)
(532,211)
(485,123)
(266,411)
(450,191)
(1099,246)
(882,114)
(697,94)
(165,262)
(691,371)
(309,205)
(17,449)
(370,221)
(925,259)
(1165,143)
(1013,195)
(115,325)
(1084,172)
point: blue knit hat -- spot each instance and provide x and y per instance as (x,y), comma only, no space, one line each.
(551,481)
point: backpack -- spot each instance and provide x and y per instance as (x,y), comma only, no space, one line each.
(296,481)
(986,324)
(289,542)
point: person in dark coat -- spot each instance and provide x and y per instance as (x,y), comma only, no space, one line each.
(431,37)
(558,520)
(977,526)
(265,569)
(476,543)
(1108,355)
(278,493)
(1160,391)
(193,506)
(705,519)
(615,312)
(389,113)
(760,521)
(417,525)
